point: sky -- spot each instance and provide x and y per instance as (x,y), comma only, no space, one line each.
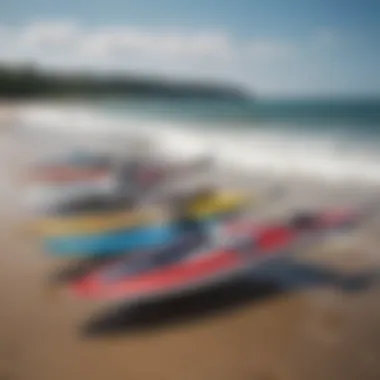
(271,47)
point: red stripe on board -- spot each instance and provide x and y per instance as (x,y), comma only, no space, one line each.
(179,275)
(159,280)
(275,238)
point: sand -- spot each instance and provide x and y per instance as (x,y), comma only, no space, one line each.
(242,331)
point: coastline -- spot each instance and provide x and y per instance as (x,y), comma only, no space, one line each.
(314,333)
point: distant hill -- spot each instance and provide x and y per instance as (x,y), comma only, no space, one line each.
(30,82)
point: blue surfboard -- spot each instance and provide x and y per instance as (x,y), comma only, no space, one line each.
(113,243)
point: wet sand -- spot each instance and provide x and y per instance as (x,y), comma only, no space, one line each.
(243,331)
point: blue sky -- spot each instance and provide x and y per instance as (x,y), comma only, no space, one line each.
(275,47)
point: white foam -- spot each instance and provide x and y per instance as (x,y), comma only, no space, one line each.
(251,150)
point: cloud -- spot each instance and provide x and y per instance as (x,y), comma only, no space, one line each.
(36,41)
(120,42)
(126,42)
(47,34)
(214,54)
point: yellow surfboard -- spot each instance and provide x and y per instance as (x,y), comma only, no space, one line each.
(215,204)
(222,202)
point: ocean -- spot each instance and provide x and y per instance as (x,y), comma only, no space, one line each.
(330,139)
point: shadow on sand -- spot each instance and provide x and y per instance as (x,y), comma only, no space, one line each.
(126,318)
(78,268)
(267,281)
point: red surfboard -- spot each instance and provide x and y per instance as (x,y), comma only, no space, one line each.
(202,266)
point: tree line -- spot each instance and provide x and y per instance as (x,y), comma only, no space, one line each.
(27,81)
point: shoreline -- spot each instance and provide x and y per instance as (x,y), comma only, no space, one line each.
(276,152)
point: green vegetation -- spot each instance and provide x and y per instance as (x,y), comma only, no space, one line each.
(26,82)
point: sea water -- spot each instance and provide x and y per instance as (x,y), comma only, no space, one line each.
(329,139)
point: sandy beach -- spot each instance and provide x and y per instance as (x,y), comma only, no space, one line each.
(241,331)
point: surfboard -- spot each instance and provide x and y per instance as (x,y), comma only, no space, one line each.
(200,267)
(112,242)
(127,240)
(98,222)
(246,247)
(65,189)
(46,198)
